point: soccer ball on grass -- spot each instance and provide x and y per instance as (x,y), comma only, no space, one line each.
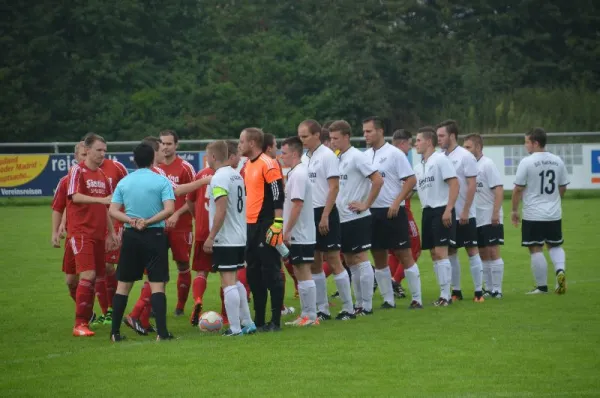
(210,321)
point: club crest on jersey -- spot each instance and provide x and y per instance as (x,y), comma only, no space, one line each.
(382,160)
(315,163)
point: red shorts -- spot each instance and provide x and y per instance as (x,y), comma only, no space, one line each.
(68,266)
(180,243)
(202,260)
(89,254)
(415,238)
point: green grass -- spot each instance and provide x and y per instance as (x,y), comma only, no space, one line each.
(520,346)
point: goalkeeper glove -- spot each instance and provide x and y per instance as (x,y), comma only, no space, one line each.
(274,233)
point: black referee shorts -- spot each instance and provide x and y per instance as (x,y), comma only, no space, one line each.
(147,249)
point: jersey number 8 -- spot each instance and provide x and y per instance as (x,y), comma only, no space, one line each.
(240,199)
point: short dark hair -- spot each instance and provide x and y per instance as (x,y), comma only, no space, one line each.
(342,126)
(172,133)
(537,134)
(402,135)
(324,137)
(154,142)
(90,138)
(268,141)
(476,139)
(428,133)
(295,144)
(232,148)
(256,135)
(451,127)
(313,126)
(377,122)
(143,155)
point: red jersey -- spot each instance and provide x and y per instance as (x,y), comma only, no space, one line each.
(180,172)
(87,219)
(59,202)
(114,171)
(200,198)
(407,204)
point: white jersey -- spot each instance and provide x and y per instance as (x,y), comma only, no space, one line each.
(228,182)
(542,173)
(465,165)
(298,187)
(322,165)
(488,178)
(431,180)
(394,167)
(355,185)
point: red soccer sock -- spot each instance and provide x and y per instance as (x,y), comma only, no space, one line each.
(290,269)
(111,287)
(101,294)
(241,276)
(199,287)
(223,310)
(141,303)
(73,291)
(392,262)
(145,315)
(84,301)
(326,269)
(399,274)
(184,281)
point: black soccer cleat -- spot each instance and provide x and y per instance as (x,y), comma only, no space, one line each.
(270,327)
(387,306)
(345,316)
(117,338)
(441,302)
(456,295)
(135,325)
(398,290)
(168,337)
(321,316)
(362,312)
(178,312)
(229,333)
(415,305)
(335,295)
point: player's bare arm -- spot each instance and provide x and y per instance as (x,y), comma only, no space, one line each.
(516,200)
(498,199)
(88,200)
(62,228)
(562,189)
(297,205)
(220,213)
(112,240)
(56,221)
(471,189)
(376,184)
(334,189)
(453,188)
(191,206)
(405,193)
(175,217)
(184,189)
(116,212)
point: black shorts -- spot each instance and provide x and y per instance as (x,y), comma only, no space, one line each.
(466,235)
(301,254)
(356,235)
(490,235)
(433,231)
(147,249)
(260,255)
(228,258)
(389,234)
(536,233)
(331,241)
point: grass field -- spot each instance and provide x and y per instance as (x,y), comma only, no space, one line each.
(520,346)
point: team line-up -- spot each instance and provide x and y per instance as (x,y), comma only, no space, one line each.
(337,205)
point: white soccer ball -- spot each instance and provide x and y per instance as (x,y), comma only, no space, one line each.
(210,321)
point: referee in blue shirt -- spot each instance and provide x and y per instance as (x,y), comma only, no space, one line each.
(148,200)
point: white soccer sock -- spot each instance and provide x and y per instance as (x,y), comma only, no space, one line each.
(355,270)
(308,298)
(497,267)
(443,273)
(245,317)
(413,276)
(232,305)
(366,285)
(558,257)
(476,271)
(384,282)
(342,282)
(455,269)
(539,267)
(321,284)
(487,275)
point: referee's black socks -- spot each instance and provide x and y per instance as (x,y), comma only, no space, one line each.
(159,305)
(119,305)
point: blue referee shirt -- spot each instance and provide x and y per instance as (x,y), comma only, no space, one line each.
(143,193)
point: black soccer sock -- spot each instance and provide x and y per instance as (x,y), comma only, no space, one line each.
(119,305)
(159,305)
(275,285)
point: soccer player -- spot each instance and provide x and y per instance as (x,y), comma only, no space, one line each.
(299,229)
(438,189)
(148,200)
(541,182)
(466,230)
(264,190)
(390,227)
(490,228)
(179,225)
(88,192)
(59,206)
(360,185)
(226,240)
(324,175)
(402,139)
